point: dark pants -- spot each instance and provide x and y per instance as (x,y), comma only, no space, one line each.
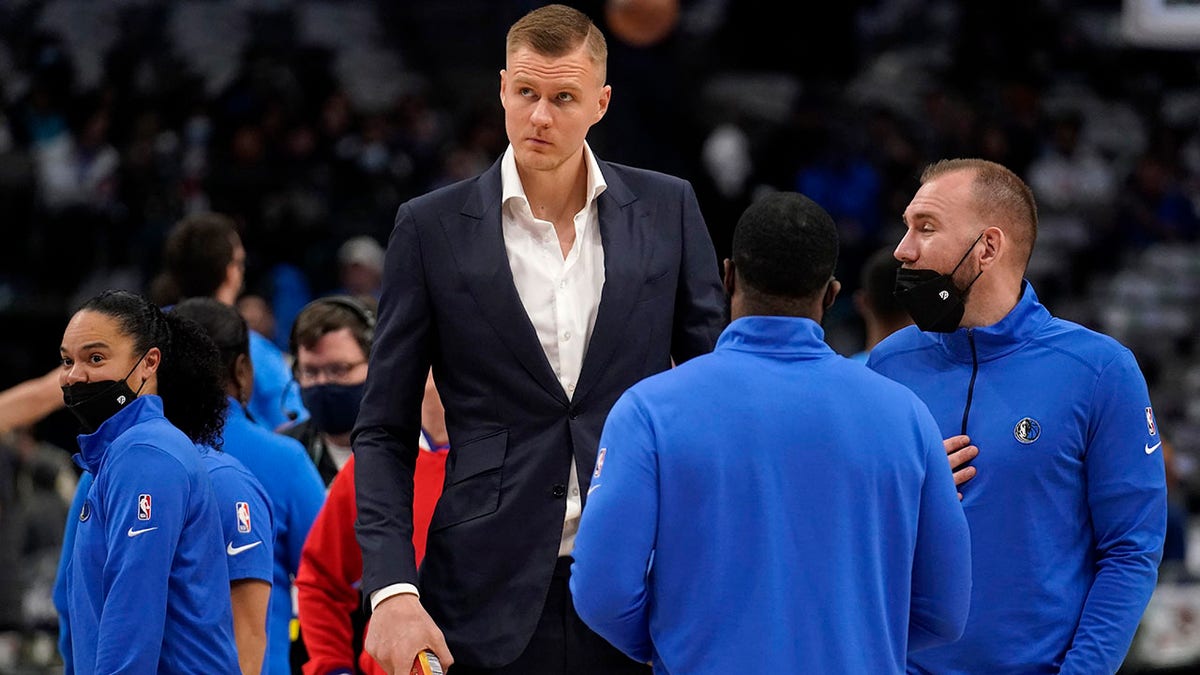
(562,644)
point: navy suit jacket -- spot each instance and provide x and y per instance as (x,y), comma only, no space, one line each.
(449,301)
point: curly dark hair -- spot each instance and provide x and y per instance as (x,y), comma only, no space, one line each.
(189,377)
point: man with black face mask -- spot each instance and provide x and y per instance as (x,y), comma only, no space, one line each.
(331,339)
(1065,490)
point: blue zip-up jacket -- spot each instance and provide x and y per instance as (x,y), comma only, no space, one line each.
(245,517)
(1068,509)
(771,503)
(297,493)
(275,399)
(147,587)
(64,559)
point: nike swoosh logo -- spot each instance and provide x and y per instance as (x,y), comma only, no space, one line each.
(1151,448)
(235,550)
(133,533)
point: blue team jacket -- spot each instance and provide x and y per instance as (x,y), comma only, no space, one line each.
(296,493)
(147,586)
(771,504)
(1068,509)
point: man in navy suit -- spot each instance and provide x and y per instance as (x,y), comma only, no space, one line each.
(538,291)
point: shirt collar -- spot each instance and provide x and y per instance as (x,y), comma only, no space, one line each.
(777,335)
(510,180)
(1007,335)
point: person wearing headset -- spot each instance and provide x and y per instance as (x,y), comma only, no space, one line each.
(331,340)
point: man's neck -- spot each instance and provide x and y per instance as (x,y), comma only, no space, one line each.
(226,295)
(341,440)
(556,195)
(987,305)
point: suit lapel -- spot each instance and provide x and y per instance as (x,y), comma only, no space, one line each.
(624,255)
(477,242)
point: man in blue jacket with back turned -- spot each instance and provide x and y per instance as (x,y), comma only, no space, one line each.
(1066,495)
(773,503)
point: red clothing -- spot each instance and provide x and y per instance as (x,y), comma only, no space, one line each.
(331,566)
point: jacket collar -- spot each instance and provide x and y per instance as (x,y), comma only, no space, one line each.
(775,335)
(93,447)
(1005,336)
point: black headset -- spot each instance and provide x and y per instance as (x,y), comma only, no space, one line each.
(359,308)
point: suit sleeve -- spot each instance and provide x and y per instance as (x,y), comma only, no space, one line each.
(617,533)
(389,421)
(1127,497)
(941,577)
(140,554)
(700,299)
(327,584)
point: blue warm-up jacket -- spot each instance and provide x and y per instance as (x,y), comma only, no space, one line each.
(1068,508)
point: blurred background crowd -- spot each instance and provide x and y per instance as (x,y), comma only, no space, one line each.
(310,121)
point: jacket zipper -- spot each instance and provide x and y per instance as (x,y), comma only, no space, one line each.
(974,372)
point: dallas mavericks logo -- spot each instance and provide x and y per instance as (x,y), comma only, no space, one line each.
(1027,430)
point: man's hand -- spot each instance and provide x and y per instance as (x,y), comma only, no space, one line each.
(960,451)
(401,629)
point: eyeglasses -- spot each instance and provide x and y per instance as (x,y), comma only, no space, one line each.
(333,372)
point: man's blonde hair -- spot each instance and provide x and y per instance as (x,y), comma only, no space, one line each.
(558,30)
(1000,196)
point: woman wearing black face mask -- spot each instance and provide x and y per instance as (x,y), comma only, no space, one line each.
(147,588)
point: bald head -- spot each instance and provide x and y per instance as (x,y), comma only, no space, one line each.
(1002,200)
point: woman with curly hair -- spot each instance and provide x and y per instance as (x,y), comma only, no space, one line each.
(147,586)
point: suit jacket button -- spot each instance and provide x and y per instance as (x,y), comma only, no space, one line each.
(559,491)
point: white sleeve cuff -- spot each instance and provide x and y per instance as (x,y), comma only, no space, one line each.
(390,590)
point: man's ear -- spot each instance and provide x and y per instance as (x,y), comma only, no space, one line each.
(243,378)
(994,244)
(831,292)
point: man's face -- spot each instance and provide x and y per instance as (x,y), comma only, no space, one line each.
(336,358)
(550,102)
(235,272)
(941,224)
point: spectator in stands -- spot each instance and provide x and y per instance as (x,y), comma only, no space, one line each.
(1069,175)
(203,258)
(360,267)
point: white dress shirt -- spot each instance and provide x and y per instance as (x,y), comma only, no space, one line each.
(560,295)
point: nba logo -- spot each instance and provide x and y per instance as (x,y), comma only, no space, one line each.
(243,516)
(599,462)
(1150,421)
(143,507)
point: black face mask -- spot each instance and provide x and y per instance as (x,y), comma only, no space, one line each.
(931,299)
(333,407)
(93,403)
